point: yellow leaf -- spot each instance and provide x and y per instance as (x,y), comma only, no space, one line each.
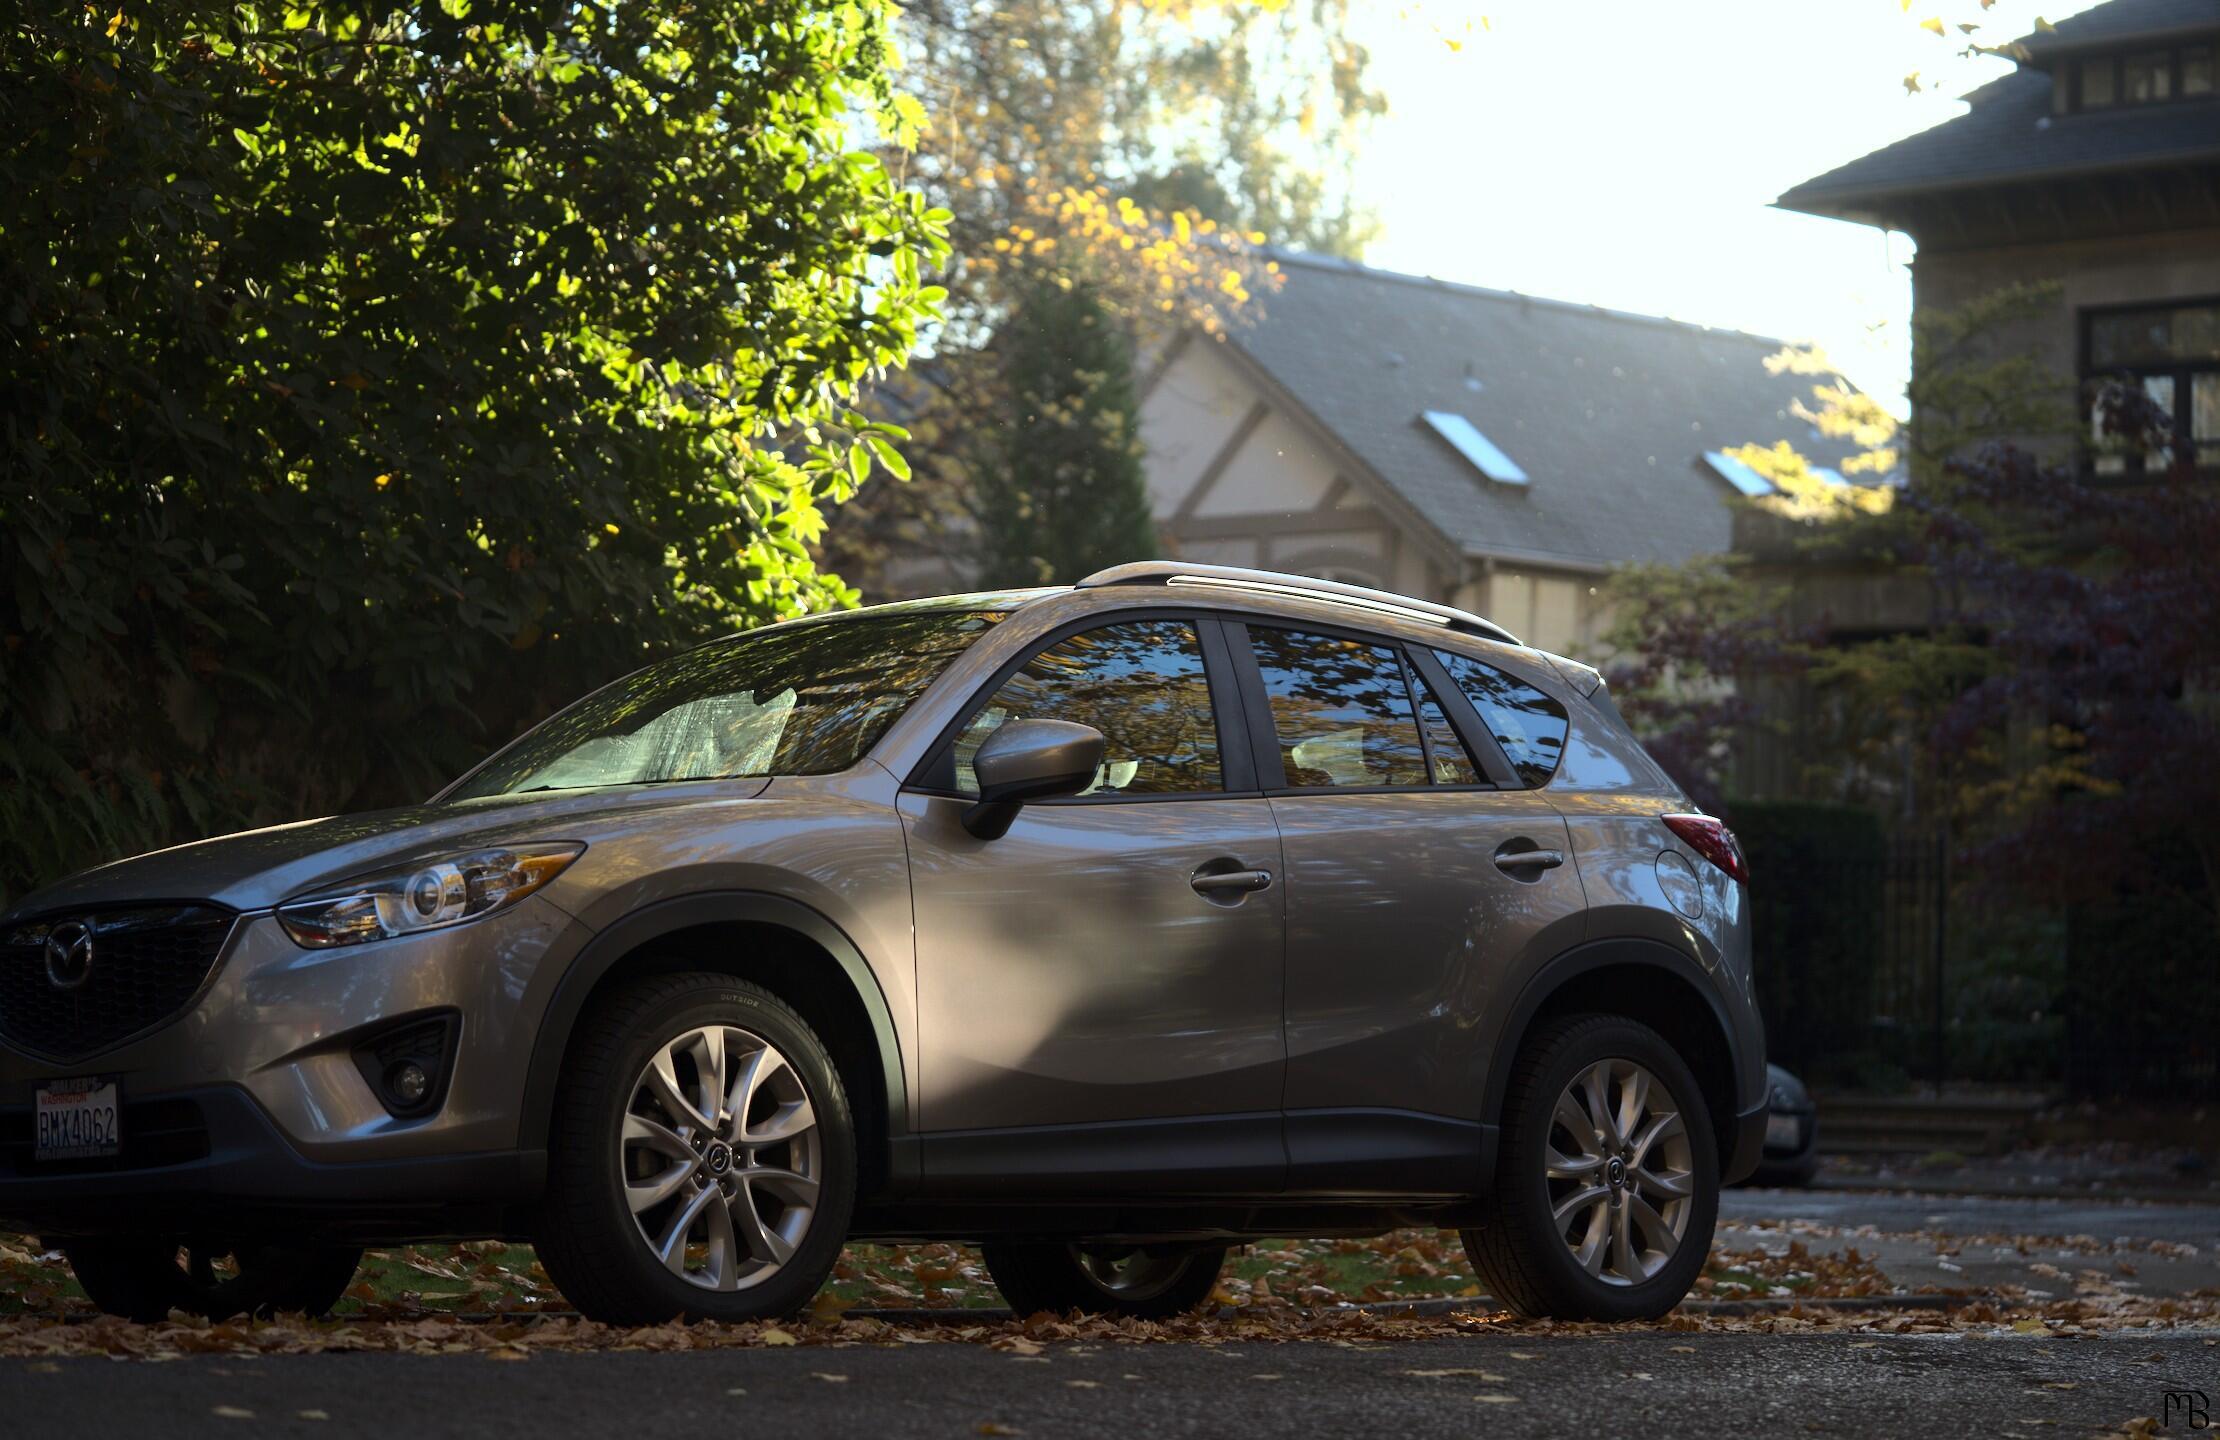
(1911,83)
(776,1336)
(1931,25)
(381,482)
(115,23)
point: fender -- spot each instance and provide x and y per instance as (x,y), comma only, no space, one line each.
(685,912)
(1591,956)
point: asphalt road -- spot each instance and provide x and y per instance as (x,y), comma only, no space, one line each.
(1650,1384)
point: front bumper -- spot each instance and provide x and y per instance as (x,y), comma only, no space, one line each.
(211,1160)
(283,1024)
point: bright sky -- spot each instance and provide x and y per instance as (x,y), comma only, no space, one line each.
(1626,153)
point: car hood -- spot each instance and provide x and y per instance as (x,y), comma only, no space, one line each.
(256,869)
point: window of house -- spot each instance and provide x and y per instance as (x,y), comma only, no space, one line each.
(1341,710)
(2096,82)
(2147,77)
(1529,725)
(2196,71)
(2173,353)
(1141,683)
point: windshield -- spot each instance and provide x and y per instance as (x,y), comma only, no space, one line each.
(806,698)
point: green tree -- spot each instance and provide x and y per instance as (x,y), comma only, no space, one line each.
(1143,148)
(378,375)
(1061,493)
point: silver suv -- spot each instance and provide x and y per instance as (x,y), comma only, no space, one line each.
(1107,926)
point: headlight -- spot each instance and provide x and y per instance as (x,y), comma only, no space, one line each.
(429,896)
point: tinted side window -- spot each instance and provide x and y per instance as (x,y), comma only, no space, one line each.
(1340,708)
(1529,725)
(1140,683)
(1452,762)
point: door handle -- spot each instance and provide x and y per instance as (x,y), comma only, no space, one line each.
(1232,882)
(1518,860)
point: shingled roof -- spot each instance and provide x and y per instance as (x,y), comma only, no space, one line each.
(1608,413)
(2009,134)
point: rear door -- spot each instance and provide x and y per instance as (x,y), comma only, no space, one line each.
(1418,866)
(1099,989)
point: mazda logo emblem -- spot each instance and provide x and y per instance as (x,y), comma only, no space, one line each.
(69,954)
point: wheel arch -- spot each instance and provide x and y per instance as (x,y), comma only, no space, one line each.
(780,943)
(1645,981)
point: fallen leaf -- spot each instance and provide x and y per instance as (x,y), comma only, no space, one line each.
(1444,1374)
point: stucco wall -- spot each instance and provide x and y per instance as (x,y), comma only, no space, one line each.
(2130,270)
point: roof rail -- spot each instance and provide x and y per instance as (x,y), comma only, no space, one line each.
(1297,587)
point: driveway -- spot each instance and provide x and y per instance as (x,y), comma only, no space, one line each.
(1650,1383)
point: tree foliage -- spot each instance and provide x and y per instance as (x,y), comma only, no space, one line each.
(381,374)
(1065,495)
(1141,148)
(2056,709)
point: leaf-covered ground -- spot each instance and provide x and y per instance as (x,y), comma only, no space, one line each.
(495,1299)
(491,1278)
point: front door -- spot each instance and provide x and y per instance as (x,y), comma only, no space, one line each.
(1408,892)
(1094,1013)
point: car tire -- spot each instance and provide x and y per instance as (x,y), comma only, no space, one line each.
(1128,1281)
(145,1279)
(1576,1224)
(765,1216)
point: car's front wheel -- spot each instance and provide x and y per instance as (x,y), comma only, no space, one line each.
(1136,1281)
(1607,1180)
(145,1279)
(702,1161)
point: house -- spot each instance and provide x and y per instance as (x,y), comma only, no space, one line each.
(2093,167)
(1481,448)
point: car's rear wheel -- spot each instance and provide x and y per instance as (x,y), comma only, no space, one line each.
(1138,1281)
(1607,1180)
(702,1160)
(145,1279)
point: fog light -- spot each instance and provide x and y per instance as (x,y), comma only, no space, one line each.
(409,1061)
(409,1083)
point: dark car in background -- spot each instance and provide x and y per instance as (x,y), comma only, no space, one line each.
(1791,1155)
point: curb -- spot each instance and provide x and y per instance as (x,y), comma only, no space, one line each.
(1897,1185)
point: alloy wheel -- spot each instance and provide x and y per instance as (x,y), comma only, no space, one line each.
(721,1158)
(1621,1172)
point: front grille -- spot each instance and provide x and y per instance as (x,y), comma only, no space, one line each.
(147,964)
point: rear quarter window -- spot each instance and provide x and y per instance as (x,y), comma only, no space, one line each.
(1529,724)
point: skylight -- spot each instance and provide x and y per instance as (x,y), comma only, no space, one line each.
(1475,447)
(1737,474)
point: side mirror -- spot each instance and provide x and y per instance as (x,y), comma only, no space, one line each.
(1030,760)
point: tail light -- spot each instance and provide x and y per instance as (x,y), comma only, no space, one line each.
(1714,841)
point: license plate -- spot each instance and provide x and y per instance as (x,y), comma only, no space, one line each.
(1783,1132)
(78,1119)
